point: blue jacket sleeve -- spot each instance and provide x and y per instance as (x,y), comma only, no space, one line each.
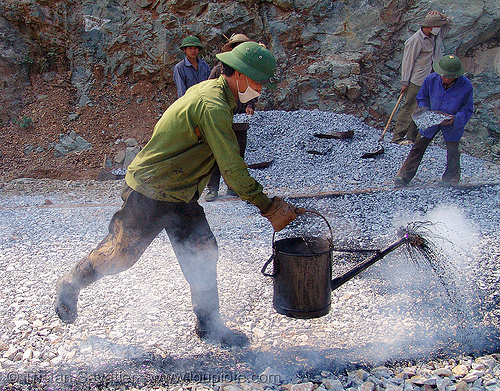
(179,82)
(423,96)
(465,112)
(206,76)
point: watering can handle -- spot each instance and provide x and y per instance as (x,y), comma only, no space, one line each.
(318,214)
(263,271)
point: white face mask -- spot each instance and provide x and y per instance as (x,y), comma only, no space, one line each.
(249,93)
(435,30)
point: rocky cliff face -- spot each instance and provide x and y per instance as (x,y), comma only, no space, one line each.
(337,55)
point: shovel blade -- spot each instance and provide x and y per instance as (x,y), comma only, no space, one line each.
(367,155)
(260,166)
(335,135)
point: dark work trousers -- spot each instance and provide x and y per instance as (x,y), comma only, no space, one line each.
(410,166)
(405,128)
(139,221)
(214,182)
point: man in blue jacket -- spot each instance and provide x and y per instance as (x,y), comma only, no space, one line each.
(450,92)
(192,69)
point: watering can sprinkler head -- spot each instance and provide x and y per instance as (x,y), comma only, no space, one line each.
(415,233)
(414,240)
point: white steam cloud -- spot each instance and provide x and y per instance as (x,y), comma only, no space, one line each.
(433,298)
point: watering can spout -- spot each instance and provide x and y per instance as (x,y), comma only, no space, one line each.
(411,238)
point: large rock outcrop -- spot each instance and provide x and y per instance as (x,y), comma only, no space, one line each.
(333,55)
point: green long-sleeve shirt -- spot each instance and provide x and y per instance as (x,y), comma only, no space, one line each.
(175,165)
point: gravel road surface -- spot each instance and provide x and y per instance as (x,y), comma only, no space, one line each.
(435,323)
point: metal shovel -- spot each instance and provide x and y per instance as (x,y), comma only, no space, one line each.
(380,150)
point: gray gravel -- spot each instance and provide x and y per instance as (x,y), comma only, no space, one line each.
(426,119)
(135,330)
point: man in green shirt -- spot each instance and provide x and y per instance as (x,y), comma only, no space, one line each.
(164,183)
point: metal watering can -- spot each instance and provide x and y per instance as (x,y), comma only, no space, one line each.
(302,272)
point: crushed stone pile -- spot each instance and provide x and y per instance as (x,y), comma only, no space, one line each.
(427,118)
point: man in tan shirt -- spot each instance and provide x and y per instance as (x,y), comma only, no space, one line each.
(421,50)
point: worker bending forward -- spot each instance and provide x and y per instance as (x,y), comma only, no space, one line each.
(448,91)
(163,185)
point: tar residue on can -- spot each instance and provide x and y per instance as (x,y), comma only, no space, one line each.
(302,277)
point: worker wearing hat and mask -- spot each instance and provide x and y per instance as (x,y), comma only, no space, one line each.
(450,92)
(421,50)
(192,69)
(165,181)
(240,129)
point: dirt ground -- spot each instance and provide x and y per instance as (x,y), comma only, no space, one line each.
(120,110)
(50,108)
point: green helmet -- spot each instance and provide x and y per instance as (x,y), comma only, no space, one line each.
(191,41)
(254,61)
(449,67)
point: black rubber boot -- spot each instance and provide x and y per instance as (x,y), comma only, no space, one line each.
(68,287)
(214,330)
(209,326)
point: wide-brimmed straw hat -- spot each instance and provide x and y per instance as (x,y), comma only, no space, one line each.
(434,20)
(235,38)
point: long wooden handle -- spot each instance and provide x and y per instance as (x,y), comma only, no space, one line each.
(392,115)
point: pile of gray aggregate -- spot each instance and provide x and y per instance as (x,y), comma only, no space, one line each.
(426,119)
(398,326)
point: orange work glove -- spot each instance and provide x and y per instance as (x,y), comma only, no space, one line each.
(281,213)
